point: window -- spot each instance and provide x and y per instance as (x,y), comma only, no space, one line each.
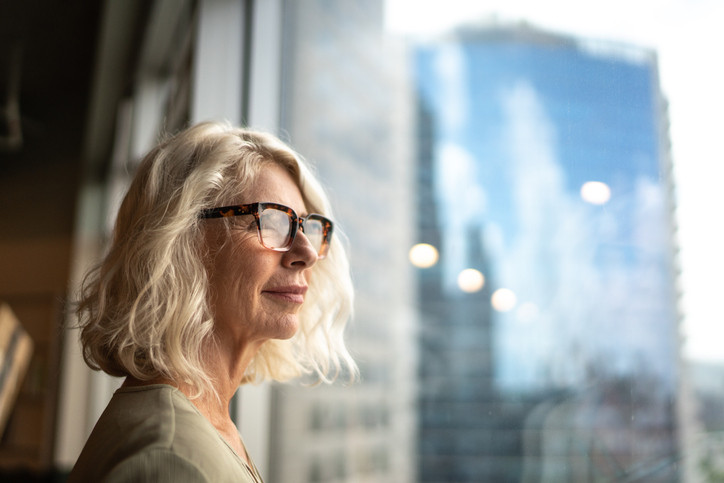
(541,339)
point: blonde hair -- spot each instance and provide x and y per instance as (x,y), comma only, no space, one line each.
(144,309)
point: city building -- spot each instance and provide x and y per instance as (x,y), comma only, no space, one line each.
(549,173)
(347,106)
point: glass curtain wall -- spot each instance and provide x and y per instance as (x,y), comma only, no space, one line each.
(552,351)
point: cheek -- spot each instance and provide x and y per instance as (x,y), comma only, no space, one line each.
(235,284)
(225,280)
(234,255)
(246,274)
(241,268)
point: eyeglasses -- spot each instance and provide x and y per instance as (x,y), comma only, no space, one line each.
(277,225)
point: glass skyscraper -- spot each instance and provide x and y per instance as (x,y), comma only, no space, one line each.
(543,167)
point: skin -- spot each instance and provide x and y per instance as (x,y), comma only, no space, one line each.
(256,295)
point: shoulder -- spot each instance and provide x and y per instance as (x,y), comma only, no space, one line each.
(154,431)
(156,465)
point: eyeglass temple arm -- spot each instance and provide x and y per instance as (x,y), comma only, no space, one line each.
(226,211)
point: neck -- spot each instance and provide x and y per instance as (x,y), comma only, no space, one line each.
(227,371)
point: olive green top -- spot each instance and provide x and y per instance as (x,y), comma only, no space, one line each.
(155,434)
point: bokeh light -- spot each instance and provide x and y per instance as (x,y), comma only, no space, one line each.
(503,300)
(595,192)
(423,255)
(471,280)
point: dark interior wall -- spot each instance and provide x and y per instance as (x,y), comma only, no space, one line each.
(56,40)
(38,185)
(38,189)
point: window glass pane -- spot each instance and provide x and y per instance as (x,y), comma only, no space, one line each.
(507,195)
(347,108)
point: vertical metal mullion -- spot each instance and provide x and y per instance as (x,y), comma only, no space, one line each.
(247,44)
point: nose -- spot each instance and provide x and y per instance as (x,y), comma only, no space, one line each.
(301,254)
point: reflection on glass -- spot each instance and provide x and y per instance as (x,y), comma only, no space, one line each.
(503,300)
(423,255)
(471,280)
(595,192)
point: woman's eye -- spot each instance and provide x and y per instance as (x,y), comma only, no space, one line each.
(240,223)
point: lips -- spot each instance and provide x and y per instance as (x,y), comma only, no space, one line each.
(290,293)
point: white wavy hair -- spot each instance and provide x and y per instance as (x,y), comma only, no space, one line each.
(144,309)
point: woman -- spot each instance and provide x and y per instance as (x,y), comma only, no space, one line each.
(222,271)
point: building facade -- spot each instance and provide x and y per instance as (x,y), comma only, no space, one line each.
(347,104)
(549,173)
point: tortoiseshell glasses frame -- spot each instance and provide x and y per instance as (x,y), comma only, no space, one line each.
(277,225)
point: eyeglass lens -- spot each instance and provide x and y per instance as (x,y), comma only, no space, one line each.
(276,229)
(314,231)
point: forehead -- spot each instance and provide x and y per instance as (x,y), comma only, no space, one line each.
(275,184)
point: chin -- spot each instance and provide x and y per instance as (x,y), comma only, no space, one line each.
(288,328)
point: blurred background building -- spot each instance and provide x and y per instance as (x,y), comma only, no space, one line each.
(346,106)
(548,173)
(507,197)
